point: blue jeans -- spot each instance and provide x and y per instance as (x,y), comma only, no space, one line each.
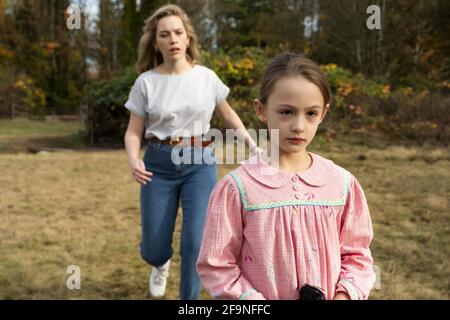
(172,182)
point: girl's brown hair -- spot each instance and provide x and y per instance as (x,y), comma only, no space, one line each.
(293,64)
(148,57)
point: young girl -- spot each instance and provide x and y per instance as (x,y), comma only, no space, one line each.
(173,93)
(296,226)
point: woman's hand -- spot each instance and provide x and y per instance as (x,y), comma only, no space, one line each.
(232,121)
(341,296)
(140,174)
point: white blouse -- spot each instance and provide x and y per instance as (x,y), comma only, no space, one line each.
(170,104)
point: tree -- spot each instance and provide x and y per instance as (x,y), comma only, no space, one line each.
(130,32)
(109,33)
(44,50)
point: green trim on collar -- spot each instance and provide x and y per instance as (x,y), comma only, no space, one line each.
(276,204)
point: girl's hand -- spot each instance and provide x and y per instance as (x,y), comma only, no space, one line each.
(140,174)
(341,296)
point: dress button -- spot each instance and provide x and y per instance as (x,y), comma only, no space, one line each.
(298,196)
(296,187)
(294,178)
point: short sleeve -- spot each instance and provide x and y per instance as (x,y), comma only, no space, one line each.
(221,90)
(137,98)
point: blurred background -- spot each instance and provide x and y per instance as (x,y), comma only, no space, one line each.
(67,195)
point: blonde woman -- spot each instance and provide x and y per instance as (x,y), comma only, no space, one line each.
(172,91)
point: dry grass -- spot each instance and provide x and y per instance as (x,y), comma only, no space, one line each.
(82,208)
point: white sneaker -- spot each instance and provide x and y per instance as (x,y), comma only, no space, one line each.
(158,280)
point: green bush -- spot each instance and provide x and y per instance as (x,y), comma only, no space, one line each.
(366,105)
(29,96)
(104,111)
(241,69)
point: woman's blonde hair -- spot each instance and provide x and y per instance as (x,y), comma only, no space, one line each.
(148,57)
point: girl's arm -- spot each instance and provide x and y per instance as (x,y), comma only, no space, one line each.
(357,275)
(217,264)
(232,121)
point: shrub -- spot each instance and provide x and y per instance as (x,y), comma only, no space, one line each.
(241,69)
(28,97)
(365,105)
(106,118)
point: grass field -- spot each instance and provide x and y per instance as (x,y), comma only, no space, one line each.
(82,208)
(18,135)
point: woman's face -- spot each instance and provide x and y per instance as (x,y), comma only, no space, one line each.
(171,38)
(295,108)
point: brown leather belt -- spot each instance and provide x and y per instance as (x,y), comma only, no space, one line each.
(192,141)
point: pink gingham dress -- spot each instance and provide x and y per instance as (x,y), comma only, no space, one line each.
(269,232)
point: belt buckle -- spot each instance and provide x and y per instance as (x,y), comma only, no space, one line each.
(173,142)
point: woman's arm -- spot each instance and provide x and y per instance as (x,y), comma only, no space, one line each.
(132,141)
(232,121)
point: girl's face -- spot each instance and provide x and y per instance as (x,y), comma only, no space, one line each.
(296,108)
(171,38)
